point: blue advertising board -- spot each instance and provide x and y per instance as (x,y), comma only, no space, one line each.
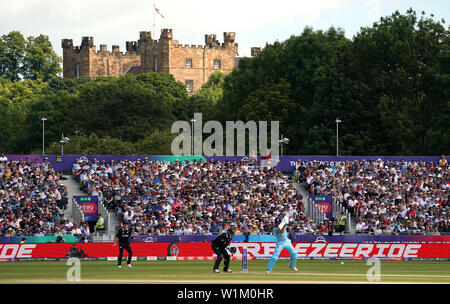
(89,207)
(325,203)
(283,163)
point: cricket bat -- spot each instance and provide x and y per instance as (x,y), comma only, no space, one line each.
(284,222)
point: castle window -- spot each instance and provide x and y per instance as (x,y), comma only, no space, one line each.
(217,64)
(189,86)
(77,71)
(188,63)
(155,63)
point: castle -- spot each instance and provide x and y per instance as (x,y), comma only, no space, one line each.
(189,64)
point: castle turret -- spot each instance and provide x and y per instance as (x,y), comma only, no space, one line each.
(75,59)
(66,43)
(131,46)
(229,41)
(255,51)
(145,35)
(229,37)
(166,34)
(115,49)
(211,41)
(87,41)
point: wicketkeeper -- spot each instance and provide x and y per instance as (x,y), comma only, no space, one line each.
(283,242)
(220,248)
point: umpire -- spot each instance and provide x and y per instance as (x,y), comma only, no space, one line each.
(123,236)
(219,246)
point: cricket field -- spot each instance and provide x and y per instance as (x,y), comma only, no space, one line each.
(200,272)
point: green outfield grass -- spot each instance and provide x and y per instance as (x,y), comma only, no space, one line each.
(176,272)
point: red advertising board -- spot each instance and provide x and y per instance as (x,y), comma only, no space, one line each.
(255,250)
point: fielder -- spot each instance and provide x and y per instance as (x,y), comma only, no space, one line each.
(283,242)
(123,235)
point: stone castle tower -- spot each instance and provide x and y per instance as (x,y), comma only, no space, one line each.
(189,64)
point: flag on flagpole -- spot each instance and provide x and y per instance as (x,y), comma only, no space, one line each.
(159,12)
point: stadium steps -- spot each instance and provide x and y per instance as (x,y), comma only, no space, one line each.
(73,189)
(300,187)
(111,220)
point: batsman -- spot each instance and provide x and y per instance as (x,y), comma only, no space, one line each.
(283,242)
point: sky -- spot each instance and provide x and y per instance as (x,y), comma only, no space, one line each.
(255,22)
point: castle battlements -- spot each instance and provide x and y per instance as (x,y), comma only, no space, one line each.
(221,47)
(115,51)
(132,47)
(88,43)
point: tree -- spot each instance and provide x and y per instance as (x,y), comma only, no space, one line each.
(173,91)
(291,69)
(123,107)
(16,99)
(158,143)
(384,84)
(392,58)
(61,118)
(437,84)
(6,125)
(30,59)
(206,99)
(40,61)
(91,145)
(12,51)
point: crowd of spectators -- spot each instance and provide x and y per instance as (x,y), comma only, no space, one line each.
(192,198)
(33,200)
(385,197)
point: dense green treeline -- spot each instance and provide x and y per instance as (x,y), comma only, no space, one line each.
(389,85)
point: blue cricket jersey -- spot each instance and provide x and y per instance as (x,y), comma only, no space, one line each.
(281,237)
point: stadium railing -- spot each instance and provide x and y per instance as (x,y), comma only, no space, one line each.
(77,214)
(318,216)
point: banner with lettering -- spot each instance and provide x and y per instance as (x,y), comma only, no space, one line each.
(325,203)
(89,207)
(336,238)
(255,250)
(283,163)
